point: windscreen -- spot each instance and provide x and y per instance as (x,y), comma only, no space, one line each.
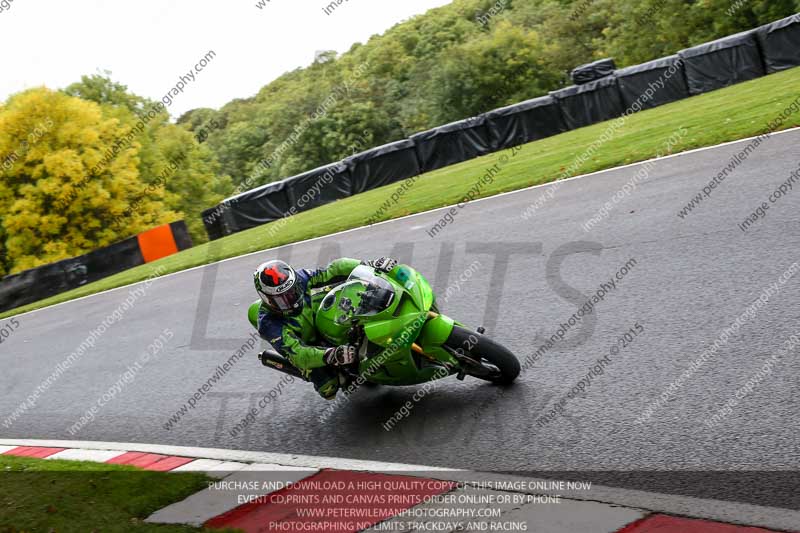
(377,295)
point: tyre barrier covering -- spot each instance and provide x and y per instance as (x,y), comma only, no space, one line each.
(212,219)
(383,165)
(255,207)
(720,63)
(48,280)
(525,122)
(452,143)
(319,186)
(653,83)
(593,71)
(596,101)
(780,44)
(287,197)
(601,93)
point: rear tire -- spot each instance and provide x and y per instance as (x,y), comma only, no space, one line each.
(485,350)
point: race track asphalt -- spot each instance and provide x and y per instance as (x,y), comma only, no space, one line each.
(691,279)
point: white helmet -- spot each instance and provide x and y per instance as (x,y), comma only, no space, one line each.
(276,283)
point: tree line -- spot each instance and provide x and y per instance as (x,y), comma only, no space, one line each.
(93,163)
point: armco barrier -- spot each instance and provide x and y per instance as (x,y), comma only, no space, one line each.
(48,280)
(696,70)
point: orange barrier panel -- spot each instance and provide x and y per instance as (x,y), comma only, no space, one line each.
(157,243)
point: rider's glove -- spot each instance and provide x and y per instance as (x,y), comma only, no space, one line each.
(340,356)
(383,264)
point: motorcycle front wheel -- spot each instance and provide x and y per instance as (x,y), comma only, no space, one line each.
(482,357)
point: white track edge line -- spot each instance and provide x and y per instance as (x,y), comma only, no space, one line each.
(516,191)
(688,506)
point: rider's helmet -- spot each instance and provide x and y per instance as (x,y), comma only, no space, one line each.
(276,283)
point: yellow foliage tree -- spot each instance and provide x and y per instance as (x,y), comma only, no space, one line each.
(68,172)
(169,156)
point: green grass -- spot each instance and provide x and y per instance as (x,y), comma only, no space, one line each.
(729,114)
(65,496)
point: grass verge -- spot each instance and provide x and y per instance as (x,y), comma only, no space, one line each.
(44,495)
(726,115)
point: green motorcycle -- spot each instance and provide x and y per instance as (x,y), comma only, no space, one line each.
(401,337)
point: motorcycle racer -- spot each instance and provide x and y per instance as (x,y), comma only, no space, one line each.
(289,300)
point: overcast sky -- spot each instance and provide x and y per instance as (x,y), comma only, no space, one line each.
(148,44)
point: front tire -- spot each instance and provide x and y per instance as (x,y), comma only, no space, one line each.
(497,363)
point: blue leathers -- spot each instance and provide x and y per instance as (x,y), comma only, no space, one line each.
(295,336)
